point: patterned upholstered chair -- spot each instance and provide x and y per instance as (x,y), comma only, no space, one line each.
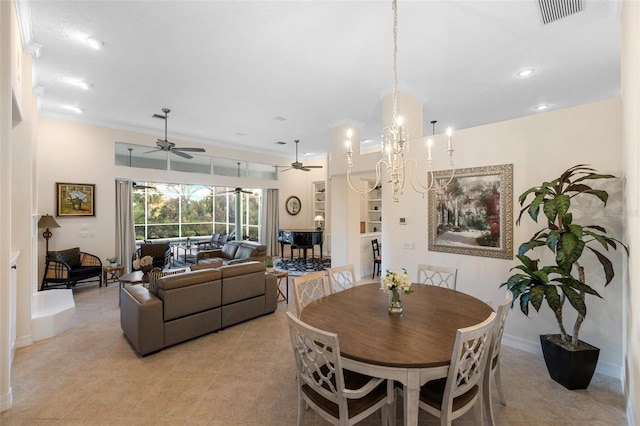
(69,267)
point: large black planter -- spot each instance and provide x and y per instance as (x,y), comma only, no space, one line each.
(572,369)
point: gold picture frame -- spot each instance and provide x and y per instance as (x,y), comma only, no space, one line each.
(473,215)
(75,199)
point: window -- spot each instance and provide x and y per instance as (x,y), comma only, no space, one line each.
(163,210)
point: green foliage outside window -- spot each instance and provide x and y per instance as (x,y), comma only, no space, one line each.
(180,211)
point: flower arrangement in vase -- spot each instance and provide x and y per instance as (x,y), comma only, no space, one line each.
(113,261)
(396,282)
(145,264)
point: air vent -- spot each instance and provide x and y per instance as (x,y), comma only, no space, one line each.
(552,10)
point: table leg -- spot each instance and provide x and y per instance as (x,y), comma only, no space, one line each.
(411,399)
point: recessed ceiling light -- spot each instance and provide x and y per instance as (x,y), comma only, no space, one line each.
(74,108)
(95,43)
(527,72)
(78,83)
(541,107)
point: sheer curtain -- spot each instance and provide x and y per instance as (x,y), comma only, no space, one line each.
(270,221)
(125,233)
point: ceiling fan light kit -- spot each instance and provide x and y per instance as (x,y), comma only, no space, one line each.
(297,165)
(165,145)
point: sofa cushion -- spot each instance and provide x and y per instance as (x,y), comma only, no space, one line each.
(70,256)
(229,250)
(244,251)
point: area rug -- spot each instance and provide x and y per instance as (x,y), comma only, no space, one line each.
(298,266)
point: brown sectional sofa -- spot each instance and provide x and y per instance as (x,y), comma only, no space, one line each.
(185,306)
(239,251)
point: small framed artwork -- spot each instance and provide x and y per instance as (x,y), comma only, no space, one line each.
(473,214)
(75,199)
(293,205)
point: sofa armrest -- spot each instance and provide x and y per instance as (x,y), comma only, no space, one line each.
(141,319)
(271,293)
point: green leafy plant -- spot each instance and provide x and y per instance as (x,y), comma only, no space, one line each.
(564,280)
(112,259)
(268,262)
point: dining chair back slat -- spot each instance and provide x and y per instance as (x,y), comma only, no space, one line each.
(465,378)
(493,363)
(440,276)
(308,288)
(341,278)
(325,387)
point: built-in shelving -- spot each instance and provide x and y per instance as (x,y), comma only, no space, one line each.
(319,202)
(374,210)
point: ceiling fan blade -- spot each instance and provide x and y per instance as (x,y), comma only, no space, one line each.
(313,167)
(159,116)
(286,170)
(182,154)
(305,169)
(190,149)
(153,150)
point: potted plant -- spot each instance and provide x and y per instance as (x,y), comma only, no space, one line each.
(570,361)
(113,261)
(269,264)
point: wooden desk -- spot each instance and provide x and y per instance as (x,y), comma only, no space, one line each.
(413,348)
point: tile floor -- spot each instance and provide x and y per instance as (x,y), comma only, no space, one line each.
(243,375)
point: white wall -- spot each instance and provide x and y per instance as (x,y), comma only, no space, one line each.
(540,147)
(630,66)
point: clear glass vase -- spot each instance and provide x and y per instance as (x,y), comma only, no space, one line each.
(395,304)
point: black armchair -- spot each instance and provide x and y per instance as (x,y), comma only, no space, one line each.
(69,267)
(161,254)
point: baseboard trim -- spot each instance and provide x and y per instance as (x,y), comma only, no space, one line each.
(6,400)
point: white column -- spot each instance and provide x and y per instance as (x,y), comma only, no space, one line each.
(6,398)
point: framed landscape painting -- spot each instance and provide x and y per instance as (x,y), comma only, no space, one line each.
(75,199)
(473,215)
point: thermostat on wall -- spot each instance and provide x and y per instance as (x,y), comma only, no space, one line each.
(403,221)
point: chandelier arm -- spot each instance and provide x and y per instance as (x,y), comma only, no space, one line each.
(368,189)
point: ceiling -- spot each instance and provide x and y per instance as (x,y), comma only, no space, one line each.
(228,70)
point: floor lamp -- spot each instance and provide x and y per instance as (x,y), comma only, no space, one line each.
(47,221)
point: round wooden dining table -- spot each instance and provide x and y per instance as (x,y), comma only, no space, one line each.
(412,348)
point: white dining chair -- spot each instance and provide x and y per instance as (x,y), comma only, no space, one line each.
(341,278)
(339,396)
(308,288)
(464,381)
(440,276)
(493,363)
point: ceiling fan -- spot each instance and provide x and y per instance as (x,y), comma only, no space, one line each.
(296,165)
(137,185)
(237,191)
(165,145)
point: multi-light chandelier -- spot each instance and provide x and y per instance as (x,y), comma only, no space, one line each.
(394,146)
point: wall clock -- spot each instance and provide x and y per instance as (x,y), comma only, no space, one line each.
(293,205)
